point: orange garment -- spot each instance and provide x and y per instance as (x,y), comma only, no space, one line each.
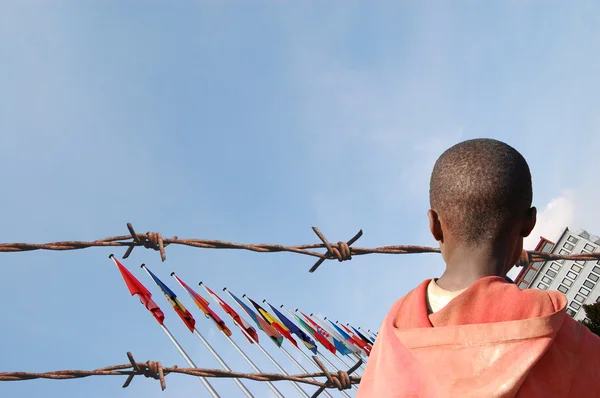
(493,340)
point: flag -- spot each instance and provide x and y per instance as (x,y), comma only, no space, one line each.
(285,332)
(308,342)
(316,335)
(339,337)
(203,305)
(362,336)
(136,287)
(275,336)
(183,313)
(238,320)
(339,346)
(357,349)
(357,341)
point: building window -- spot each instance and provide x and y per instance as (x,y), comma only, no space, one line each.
(576,268)
(563,252)
(551,273)
(584,291)
(546,280)
(568,246)
(573,239)
(563,289)
(580,262)
(571,275)
(596,269)
(523,285)
(593,277)
(529,275)
(536,266)
(588,247)
(570,312)
(555,266)
(575,305)
(579,298)
(567,282)
(547,247)
(562,261)
(589,284)
(542,286)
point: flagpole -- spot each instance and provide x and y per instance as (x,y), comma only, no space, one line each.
(348,331)
(141,291)
(309,359)
(237,381)
(300,390)
(187,358)
(238,349)
(223,364)
(319,355)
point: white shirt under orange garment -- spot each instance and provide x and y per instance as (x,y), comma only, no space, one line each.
(492,340)
(438,298)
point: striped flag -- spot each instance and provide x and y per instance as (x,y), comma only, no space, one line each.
(183,313)
(308,342)
(275,336)
(238,320)
(202,303)
(358,341)
(318,336)
(285,332)
(350,340)
(339,346)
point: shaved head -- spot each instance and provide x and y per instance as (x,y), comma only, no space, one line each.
(480,188)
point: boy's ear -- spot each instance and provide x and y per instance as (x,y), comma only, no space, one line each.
(529,222)
(435,226)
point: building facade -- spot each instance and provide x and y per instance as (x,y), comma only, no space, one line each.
(578,280)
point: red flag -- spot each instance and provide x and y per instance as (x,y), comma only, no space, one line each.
(234,315)
(135,287)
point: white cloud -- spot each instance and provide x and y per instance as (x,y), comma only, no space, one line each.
(553,219)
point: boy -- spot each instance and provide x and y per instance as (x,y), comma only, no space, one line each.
(471,333)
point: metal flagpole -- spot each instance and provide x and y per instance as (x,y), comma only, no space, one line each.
(318,354)
(223,364)
(208,386)
(214,353)
(309,359)
(347,331)
(273,361)
(238,349)
(187,358)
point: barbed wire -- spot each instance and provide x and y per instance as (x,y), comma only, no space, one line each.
(341,251)
(340,380)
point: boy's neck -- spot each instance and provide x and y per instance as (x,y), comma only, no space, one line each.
(466,265)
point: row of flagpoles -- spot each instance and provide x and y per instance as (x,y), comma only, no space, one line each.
(341,341)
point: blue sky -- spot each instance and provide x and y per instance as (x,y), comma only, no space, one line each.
(252,124)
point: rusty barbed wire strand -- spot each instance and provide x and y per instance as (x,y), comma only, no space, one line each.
(155,370)
(340,251)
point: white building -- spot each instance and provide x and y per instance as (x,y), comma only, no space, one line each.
(578,280)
